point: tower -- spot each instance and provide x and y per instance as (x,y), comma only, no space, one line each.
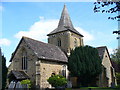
(65,35)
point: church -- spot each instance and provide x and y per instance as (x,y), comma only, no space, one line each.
(37,61)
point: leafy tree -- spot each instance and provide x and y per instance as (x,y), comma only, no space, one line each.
(116,58)
(84,63)
(116,55)
(4,72)
(57,80)
(118,79)
(108,6)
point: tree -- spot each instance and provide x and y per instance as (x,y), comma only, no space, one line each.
(4,72)
(108,6)
(118,79)
(116,55)
(116,58)
(84,63)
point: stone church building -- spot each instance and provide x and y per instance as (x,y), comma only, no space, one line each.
(107,77)
(37,61)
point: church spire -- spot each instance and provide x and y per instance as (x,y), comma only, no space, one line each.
(65,24)
(65,20)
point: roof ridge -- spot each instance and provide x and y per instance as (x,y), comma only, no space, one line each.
(102,47)
(31,39)
(38,41)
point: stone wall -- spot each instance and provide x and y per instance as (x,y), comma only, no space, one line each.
(67,40)
(31,57)
(46,69)
(108,66)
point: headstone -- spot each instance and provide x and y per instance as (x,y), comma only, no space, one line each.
(18,85)
(69,84)
(12,84)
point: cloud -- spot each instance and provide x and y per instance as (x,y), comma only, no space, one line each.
(41,28)
(1,8)
(111,51)
(4,42)
(87,35)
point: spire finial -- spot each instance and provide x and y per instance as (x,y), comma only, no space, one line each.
(64,5)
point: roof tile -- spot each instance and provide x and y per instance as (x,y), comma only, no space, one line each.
(46,50)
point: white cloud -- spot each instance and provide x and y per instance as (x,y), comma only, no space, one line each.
(110,50)
(4,42)
(87,35)
(41,28)
(1,8)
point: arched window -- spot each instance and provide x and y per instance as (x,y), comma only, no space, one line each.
(59,42)
(64,71)
(75,42)
(24,61)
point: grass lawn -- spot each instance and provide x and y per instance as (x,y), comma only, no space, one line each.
(92,88)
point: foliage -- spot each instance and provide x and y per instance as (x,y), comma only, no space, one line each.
(118,78)
(116,57)
(108,7)
(57,80)
(4,72)
(84,63)
(26,82)
(118,86)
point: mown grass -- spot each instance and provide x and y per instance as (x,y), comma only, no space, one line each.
(93,88)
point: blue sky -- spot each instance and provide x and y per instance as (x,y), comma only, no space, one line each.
(37,19)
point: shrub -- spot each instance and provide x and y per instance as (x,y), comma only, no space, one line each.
(118,78)
(28,82)
(57,80)
(118,86)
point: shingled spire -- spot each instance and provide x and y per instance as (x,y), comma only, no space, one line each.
(65,24)
(65,20)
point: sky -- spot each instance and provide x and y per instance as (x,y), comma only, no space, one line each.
(37,19)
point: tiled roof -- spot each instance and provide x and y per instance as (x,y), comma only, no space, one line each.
(101,51)
(65,24)
(19,75)
(46,50)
